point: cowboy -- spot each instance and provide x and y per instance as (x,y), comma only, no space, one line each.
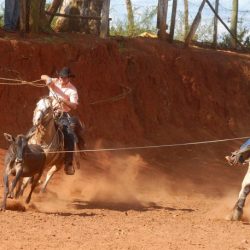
(66,98)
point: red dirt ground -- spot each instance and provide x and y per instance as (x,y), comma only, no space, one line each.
(133,92)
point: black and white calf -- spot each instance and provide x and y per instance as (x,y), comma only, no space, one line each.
(22,160)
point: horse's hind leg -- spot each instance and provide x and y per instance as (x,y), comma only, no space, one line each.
(238,208)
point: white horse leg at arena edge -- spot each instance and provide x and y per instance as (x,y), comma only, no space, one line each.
(245,189)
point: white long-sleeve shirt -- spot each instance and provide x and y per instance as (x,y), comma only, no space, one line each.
(67,92)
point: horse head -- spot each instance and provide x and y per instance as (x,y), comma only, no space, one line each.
(44,111)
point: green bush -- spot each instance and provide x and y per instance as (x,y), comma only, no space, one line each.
(143,23)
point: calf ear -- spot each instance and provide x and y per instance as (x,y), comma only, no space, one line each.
(9,137)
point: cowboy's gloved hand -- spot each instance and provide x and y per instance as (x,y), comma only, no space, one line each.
(47,79)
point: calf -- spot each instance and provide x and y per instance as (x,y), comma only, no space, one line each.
(22,160)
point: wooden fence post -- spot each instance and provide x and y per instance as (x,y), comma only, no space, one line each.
(162,18)
(195,24)
(104,30)
(173,16)
(230,32)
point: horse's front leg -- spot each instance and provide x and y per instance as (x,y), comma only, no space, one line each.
(48,177)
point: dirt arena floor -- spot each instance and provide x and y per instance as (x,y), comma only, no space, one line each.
(161,198)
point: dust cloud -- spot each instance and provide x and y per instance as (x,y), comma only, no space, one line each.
(106,181)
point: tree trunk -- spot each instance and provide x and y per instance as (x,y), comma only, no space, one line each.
(162,18)
(23,16)
(84,11)
(66,24)
(186,25)
(234,20)
(104,29)
(216,23)
(95,9)
(38,21)
(131,22)
(172,26)
(53,9)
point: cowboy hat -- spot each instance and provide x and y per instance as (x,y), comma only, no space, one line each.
(65,72)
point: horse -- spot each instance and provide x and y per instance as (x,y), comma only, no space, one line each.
(21,160)
(48,133)
(241,157)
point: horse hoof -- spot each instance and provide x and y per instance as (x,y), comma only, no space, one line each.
(2,209)
(10,196)
(236,214)
(27,201)
(42,191)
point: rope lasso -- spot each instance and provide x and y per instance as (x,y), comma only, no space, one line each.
(150,146)
(16,82)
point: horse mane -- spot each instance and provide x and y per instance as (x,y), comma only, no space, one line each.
(45,97)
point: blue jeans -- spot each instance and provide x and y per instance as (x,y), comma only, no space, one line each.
(11,14)
(69,139)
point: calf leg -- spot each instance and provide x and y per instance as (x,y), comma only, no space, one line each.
(33,185)
(18,188)
(19,171)
(22,186)
(6,191)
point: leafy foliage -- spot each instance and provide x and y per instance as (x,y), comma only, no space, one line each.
(243,37)
(204,32)
(144,22)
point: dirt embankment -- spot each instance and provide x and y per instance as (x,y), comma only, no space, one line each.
(134,89)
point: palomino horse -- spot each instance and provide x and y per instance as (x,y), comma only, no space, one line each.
(241,156)
(49,135)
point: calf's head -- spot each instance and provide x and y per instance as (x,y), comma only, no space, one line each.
(18,145)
